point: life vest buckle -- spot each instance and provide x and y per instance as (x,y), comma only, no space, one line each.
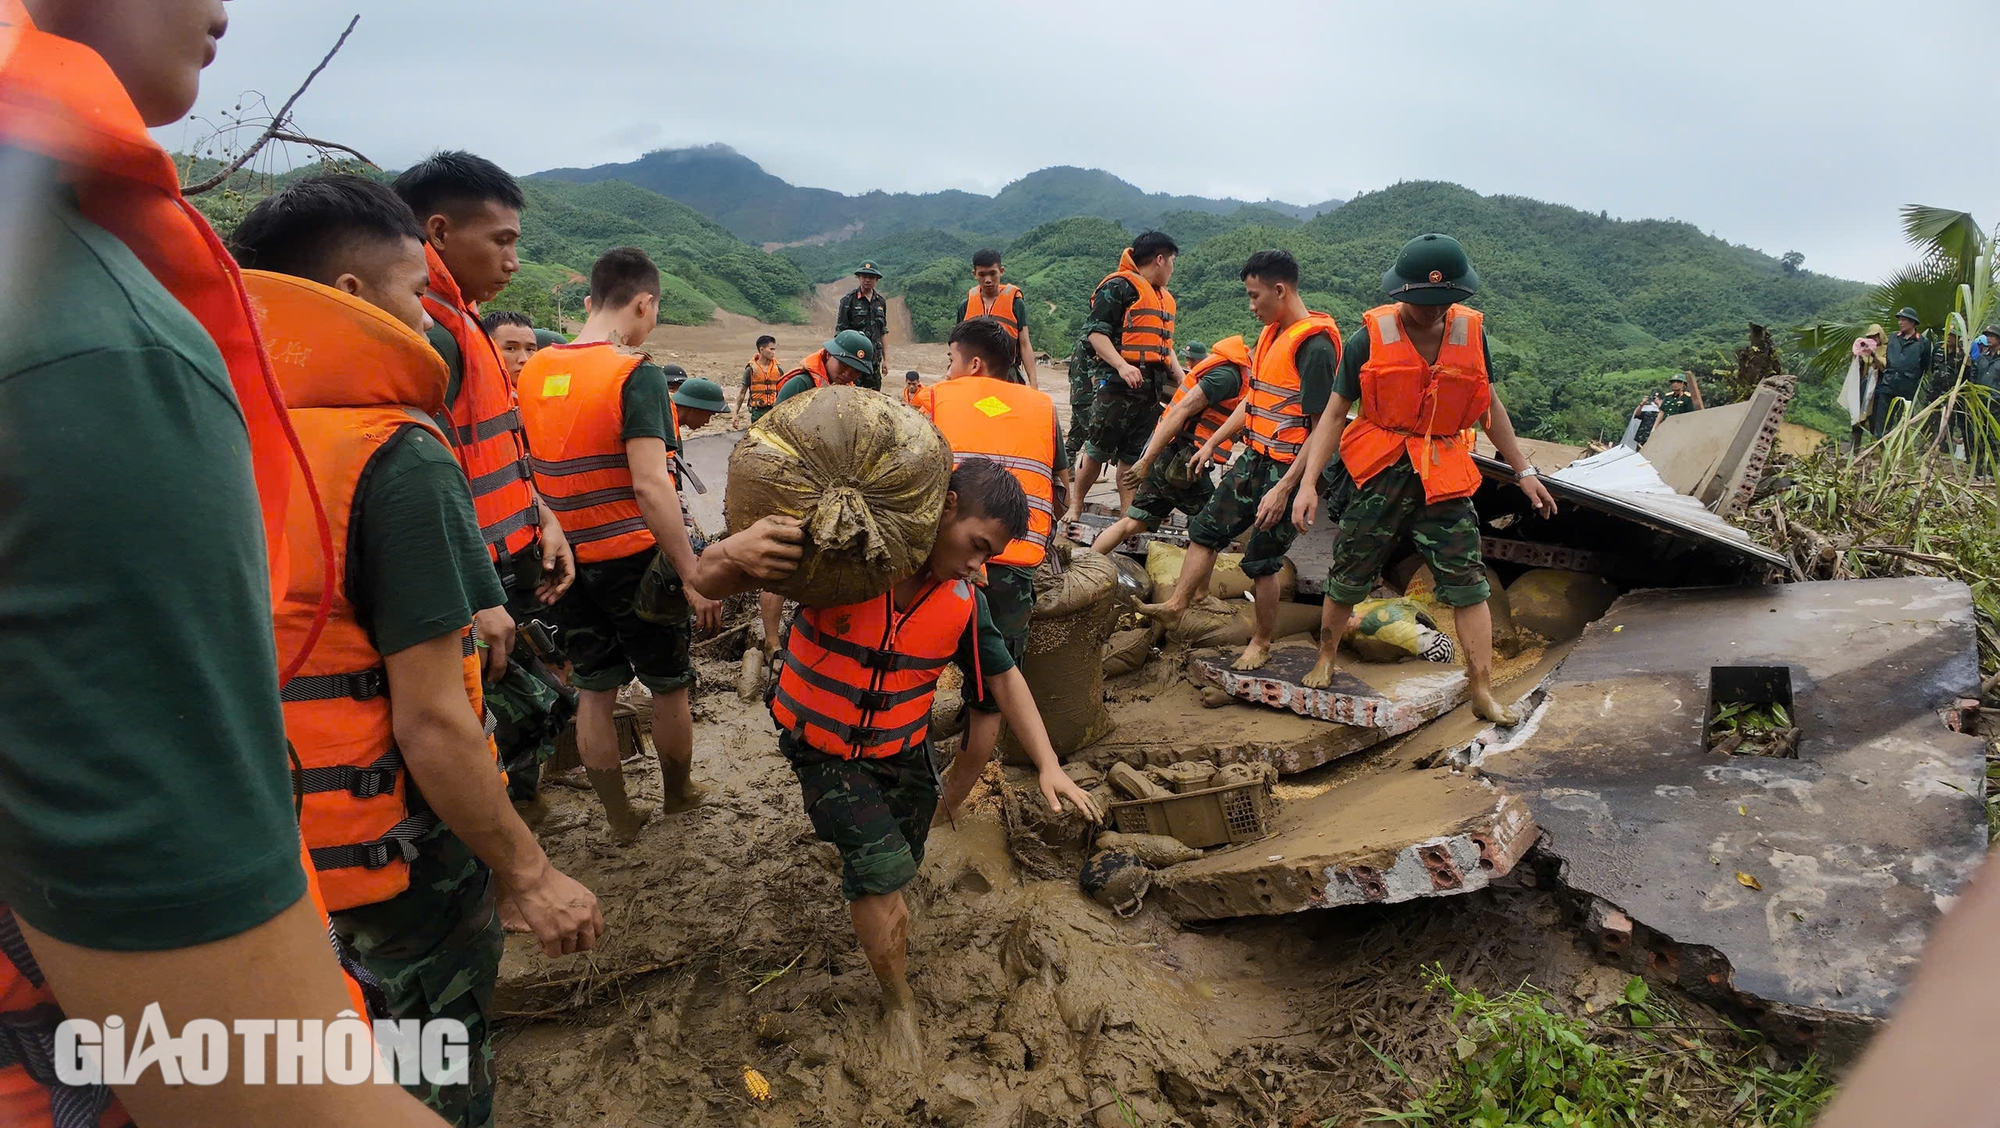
(370,783)
(376,854)
(872,701)
(369,684)
(881,661)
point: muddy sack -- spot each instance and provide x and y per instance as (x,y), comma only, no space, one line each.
(1211,622)
(1227,581)
(865,475)
(1075,610)
(1390,630)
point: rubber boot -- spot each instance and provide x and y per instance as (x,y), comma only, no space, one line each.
(678,790)
(625,817)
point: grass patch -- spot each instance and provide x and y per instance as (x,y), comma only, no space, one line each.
(1521,1062)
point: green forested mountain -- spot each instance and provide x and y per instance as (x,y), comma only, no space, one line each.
(566,226)
(1584,312)
(736,192)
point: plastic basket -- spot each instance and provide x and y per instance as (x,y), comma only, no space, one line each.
(1217,816)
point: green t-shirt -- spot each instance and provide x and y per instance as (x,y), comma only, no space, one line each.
(1352,357)
(447,347)
(1221,383)
(991,646)
(145,796)
(646,412)
(796,386)
(417,566)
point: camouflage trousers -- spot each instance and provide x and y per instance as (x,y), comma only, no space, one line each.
(1232,511)
(1390,507)
(530,714)
(876,812)
(436,948)
(1082,397)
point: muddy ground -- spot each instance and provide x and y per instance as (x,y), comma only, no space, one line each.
(729,950)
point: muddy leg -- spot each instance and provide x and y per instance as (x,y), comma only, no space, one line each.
(673,738)
(597,747)
(1108,541)
(1125,492)
(1087,471)
(771,608)
(1475,633)
(982,734)
(1266,592)
(882,925)
(1333,618)
(1195,571)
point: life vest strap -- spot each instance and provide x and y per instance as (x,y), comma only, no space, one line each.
(378,778)
(400,842)
(361,685)
(509,420)
(607,531)
(587,464)
(516,471)
(507,526)
(853,736)
(586,500)
(880,660)
(870,701)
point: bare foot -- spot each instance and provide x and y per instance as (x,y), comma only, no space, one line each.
(1254,657)
(902,1041)
(1487,708)
(1321,675)
(1166,612)
(685,798)
(625,829)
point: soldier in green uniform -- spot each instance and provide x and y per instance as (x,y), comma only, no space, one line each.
(1115,401)
(1986,365)
(867,312)
(1194,354)
(1683,395)
(1908,357)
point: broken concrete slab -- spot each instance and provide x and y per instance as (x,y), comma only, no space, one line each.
(1804,887)
(1393,697)
(1717,456)
(1157,729)
(1392,827)
(1093,523)
(707,456)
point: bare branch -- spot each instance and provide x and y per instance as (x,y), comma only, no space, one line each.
(277,121)
(301,139)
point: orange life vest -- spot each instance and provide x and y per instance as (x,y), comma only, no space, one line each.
(1002,309)
(1278,424)
(572,400)
(1014,425)
(485,428)
(1229,350)
(59,99)
(765,380)
(857,681)
(1424,410)
(355,379)
(913,394)
(1147,336)
(814,365)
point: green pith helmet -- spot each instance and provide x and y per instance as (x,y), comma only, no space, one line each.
(701,395)
(1432,270)
(675,374)
(546,337)
(853,348)
(1196,350)
(867,269)
(1909,312)
(1679,378)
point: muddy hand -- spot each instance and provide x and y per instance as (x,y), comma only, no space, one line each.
(770,549)
(1134,476)
(1057,786)
(562,914)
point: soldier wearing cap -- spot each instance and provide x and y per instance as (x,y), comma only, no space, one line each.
(867,312)
(1418,370)
(1986,361)
(1908,356)
(850,358)
(696,401)
(1194,354)
(1683,395)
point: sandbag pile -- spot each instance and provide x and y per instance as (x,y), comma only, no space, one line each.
(866,477)
(1227,581)
(1064,667)
(1212,622)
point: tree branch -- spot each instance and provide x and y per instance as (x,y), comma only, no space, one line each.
(302,139)
(277,121)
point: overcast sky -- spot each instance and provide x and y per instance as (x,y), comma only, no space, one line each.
(1780,125)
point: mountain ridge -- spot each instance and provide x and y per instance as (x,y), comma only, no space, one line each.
(766,210)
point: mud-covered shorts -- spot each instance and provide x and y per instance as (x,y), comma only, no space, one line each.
(627,617)
(1390,506)
(1233,509)
(1121,422)
(1082,397)
(876,812)
(1167,487)
(1010,600)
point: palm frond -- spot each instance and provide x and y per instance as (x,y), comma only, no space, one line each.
(1825,347)
(1944,233)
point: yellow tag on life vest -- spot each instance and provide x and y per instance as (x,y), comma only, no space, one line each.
(993,407)
(555,386)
